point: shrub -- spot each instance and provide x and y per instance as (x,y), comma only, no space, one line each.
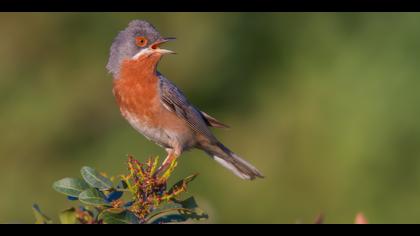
(140,197)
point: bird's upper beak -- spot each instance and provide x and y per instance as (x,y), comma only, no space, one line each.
(155,45)
(154,48)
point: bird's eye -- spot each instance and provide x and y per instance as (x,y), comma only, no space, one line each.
(141,41)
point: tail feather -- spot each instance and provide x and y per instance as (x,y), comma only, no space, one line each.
(233,162)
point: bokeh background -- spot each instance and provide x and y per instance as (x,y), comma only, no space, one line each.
(326,105)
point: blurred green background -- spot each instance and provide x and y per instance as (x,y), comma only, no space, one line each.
(326,105)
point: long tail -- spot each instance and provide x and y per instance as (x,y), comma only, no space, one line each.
(231,161)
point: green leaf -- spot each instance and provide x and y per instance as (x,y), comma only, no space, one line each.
(193,212)
(70,186)
(39,216)
(121,186)
(94,211)
(189,203)
(163,210)
(182,185)
(168,206)
(177,211)
(171,218)
(115,210)
(125,217)
(95,179)
(92,196)
(68,216)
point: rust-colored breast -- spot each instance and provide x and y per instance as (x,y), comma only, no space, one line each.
(137,94)
(136,90)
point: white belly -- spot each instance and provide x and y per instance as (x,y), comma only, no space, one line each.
(158,135)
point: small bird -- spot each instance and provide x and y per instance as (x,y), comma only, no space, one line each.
(158,109)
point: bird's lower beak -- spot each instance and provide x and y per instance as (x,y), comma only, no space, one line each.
(155,46)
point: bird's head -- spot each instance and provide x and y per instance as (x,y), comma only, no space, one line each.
(139,40)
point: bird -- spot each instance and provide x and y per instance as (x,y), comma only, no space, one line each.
(155,107)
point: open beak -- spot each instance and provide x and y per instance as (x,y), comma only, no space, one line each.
(155,45)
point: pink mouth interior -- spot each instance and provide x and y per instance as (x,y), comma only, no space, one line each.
(156,45)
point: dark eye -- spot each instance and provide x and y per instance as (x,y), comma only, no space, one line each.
(141,41)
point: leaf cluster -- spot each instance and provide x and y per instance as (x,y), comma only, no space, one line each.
(140,197)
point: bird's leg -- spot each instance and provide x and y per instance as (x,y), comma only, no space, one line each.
(170,158)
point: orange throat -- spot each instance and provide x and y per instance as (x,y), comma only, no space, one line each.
(136,88)
(143,67)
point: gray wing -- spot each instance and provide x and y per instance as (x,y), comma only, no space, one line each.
(174,100)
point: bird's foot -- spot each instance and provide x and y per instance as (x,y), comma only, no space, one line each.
(167,165)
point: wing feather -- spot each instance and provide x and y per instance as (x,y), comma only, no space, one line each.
(174,100)
(213,122)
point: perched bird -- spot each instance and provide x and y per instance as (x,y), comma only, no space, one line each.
(156,108)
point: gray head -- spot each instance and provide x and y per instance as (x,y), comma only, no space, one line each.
(140,37)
